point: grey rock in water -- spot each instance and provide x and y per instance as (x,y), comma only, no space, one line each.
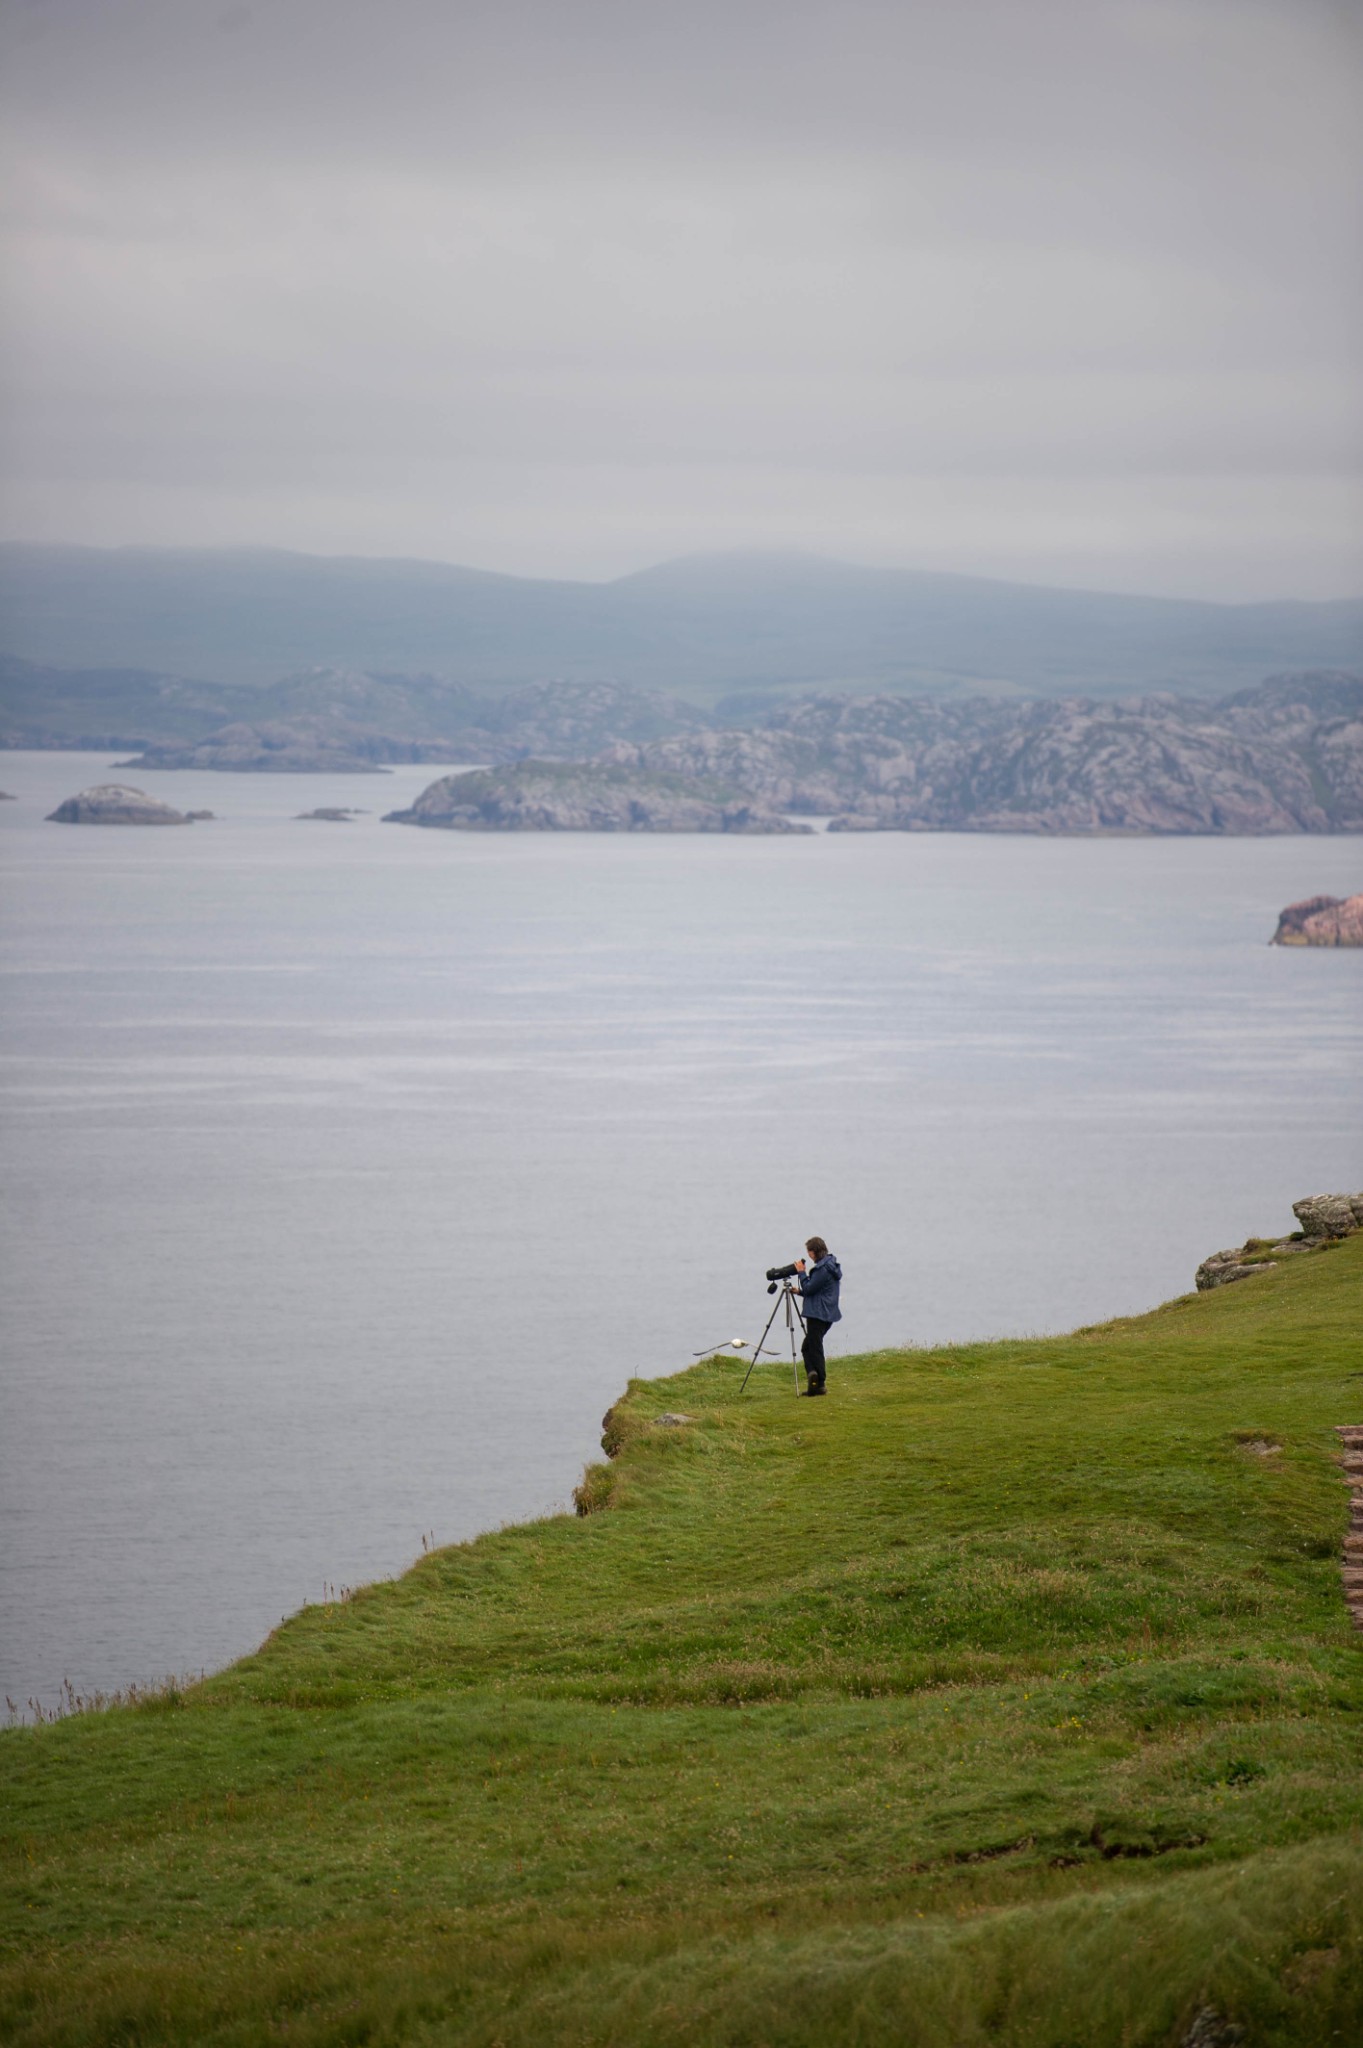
(1321,921)
(591,796)
(330,814)
(114,803)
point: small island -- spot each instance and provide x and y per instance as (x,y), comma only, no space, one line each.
(1321,921)
(115,803)
(304,747)
(587,796)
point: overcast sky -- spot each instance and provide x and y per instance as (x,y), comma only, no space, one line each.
(1061,289)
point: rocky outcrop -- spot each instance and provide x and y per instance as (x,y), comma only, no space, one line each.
(1324,1220)
(1318,717)
(329,814)
(1285,758)
(1329,1216)
(113,803)
(567,721)
(595,796)
(1255,1255)
(1321,921)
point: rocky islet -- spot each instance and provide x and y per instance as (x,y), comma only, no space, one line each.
(1321,921)
(116,803)
(596,796)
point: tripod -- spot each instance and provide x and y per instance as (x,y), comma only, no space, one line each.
(794,1315)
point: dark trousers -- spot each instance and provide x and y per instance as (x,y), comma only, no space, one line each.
(812,1349)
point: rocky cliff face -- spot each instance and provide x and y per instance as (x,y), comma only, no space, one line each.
(594,796)
(113,803)
(1285,758)
(1321,921)
(1324,1219)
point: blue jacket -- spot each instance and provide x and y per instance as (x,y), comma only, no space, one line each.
(819,1287)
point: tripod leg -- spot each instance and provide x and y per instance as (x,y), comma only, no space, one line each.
(790,1325)
(757,1349)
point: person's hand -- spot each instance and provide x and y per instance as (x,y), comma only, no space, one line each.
(799,1265)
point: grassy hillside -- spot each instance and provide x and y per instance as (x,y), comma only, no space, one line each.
(1006,1696)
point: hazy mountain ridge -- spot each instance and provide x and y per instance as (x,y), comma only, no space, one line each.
(705,627)
(44,706)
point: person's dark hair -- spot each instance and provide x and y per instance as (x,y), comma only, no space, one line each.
(816,1248)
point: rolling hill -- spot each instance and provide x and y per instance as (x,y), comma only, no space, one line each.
(706,627)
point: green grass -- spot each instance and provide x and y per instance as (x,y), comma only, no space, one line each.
(1007,1696)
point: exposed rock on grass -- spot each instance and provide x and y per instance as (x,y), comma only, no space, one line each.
(1322,1216)
(1211,2029)
(1324,1219)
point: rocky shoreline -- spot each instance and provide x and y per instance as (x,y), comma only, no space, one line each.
(1284,757)
(1324,1220)
(594,796)
(1287,757)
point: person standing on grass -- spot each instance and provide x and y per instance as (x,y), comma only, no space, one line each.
(819,1286)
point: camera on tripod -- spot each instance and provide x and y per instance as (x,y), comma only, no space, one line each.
(778,1283)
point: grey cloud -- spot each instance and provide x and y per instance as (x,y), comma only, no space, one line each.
(427,277)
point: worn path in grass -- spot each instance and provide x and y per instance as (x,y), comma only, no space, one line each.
(1008,1695)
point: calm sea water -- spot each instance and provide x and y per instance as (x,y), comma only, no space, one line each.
(350,1171)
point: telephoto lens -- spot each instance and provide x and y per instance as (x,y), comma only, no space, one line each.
(775,1273)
